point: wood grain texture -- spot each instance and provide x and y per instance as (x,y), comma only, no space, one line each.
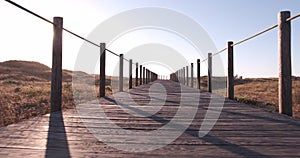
(56,77)
(285,68)
(240,131)
(230,71)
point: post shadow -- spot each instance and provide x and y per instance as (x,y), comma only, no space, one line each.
(57,141)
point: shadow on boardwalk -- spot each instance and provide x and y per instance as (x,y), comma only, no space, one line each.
(240,131)
(57,141)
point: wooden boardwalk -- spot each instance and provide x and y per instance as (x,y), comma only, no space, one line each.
(241,131)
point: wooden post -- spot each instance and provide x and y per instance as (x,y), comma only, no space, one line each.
(180,73)
(141,74)
(102,70)
(230,71)
(192,75)
(137,74)
(153,76)
(198,74)
(121,73)
(187,75)
(209,83)
(56,78)
(183,75)
(144,75)
(179,77)
(285,75)
(130,74)
(147,76)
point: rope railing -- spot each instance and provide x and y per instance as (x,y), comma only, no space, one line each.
(113,52)
(293,17)
(285,75)
(65,29)
(253,36)
(146,76)
(128,60)
(29,11)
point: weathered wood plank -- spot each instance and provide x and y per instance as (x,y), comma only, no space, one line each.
(240,131)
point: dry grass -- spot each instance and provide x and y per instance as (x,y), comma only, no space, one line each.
(261,92)
(25,90)
(24,99)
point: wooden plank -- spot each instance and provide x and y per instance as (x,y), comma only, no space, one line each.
(241,131)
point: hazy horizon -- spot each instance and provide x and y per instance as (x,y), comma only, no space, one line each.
(25,37)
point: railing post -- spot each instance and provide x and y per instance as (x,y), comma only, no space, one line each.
(147,76)
(56,78)
(153,78)
(121,73)
(187,75)
(179,77)
(192,75)
(180,73)
(285,78)
(141,74)
(130,73)
(102,70)
(209,83)
(198,74)
(137,74)
(144,75)
(230,71)
(183,75)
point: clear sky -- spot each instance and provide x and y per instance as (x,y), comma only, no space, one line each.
(25,37)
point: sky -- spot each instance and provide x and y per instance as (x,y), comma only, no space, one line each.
(25,37)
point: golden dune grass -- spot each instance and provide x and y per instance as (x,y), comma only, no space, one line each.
(261,92)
